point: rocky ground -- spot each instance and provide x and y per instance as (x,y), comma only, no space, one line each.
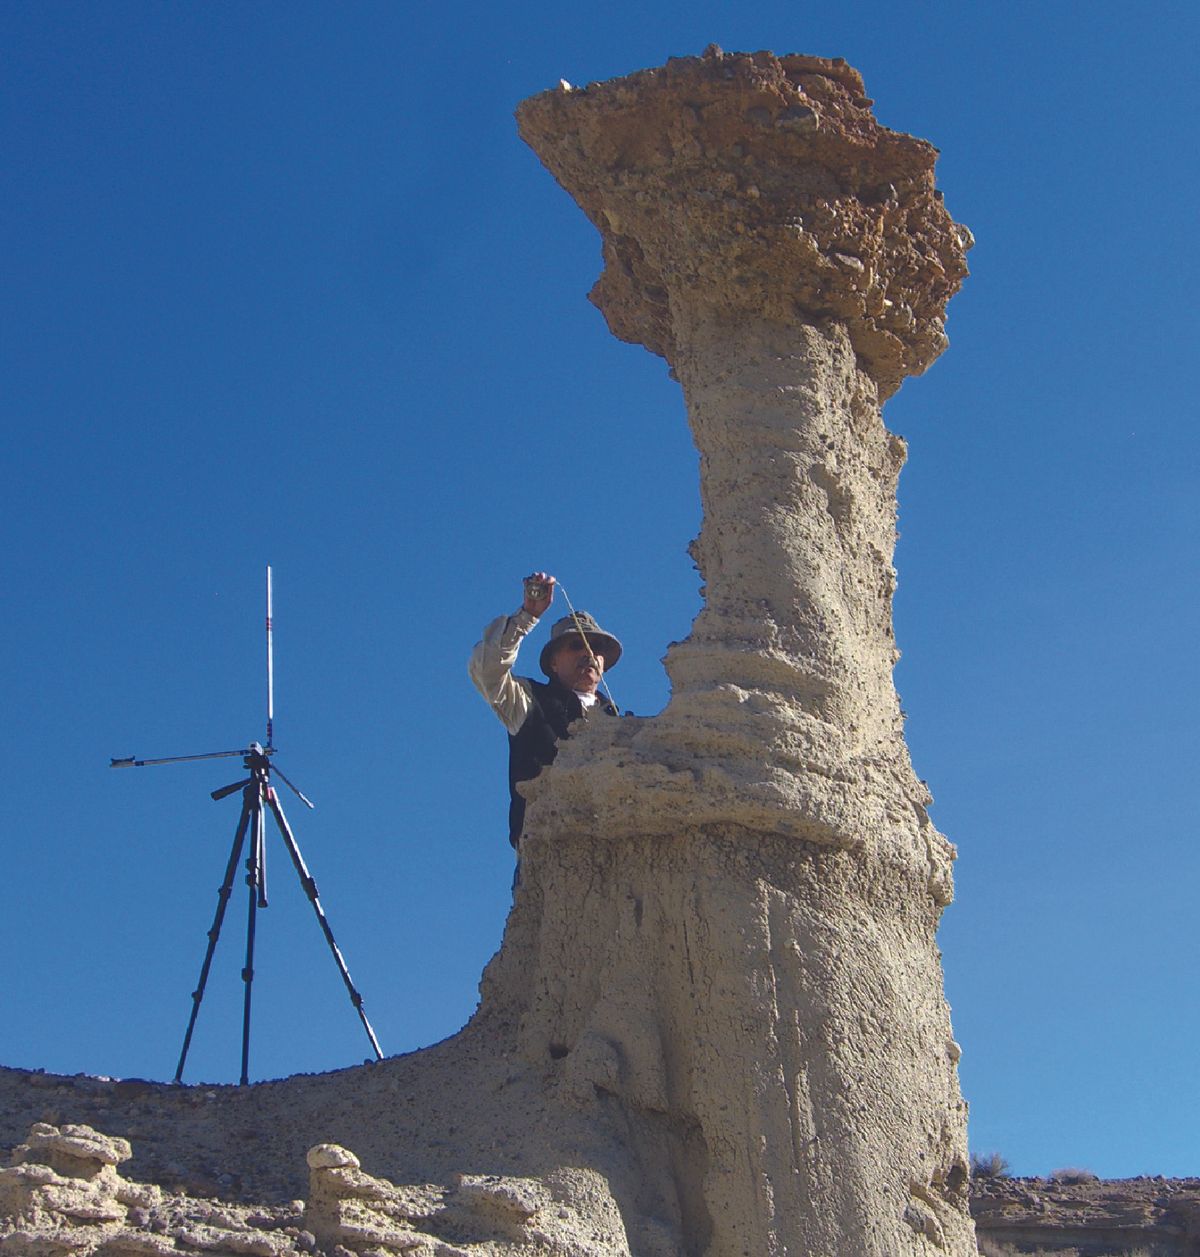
(62,1194)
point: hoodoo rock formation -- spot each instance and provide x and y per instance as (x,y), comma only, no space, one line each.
(716,1024)
(735,902)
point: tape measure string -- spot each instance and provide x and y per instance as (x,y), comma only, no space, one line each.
(588,647)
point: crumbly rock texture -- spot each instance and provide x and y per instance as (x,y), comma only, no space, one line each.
(736,901)
(63,1197)
(716,1025)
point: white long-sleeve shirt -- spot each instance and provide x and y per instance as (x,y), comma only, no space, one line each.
(491,665)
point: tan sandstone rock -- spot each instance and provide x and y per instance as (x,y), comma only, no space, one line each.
(731,907)
(62,1195)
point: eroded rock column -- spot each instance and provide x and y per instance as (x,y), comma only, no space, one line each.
(731,907)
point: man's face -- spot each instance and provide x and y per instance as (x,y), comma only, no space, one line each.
(572,665)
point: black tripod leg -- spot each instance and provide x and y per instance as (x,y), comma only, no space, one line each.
(215,932)
(310,889)
(262,859)
(254,882)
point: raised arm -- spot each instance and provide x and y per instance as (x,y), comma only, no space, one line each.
(495,655)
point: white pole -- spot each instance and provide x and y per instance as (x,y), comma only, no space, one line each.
(270,669)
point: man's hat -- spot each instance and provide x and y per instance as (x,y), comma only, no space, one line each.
(602,643)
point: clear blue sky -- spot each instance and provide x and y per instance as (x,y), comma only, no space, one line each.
(281,284)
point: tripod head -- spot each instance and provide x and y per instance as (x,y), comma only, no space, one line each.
(260,770)
(254,758)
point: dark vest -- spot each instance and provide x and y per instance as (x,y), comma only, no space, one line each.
(535,744)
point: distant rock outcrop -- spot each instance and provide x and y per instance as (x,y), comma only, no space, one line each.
(716,1024)
(1083,1216)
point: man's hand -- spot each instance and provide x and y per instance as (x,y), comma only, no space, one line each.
(541,583)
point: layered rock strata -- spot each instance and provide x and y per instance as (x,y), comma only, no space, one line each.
(716,1024)
(1075,1214)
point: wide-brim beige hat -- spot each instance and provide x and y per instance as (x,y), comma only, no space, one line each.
(602,643)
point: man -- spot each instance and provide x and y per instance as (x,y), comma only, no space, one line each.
(538,714)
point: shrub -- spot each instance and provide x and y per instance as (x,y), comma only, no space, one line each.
(1072,1174)
(988,1165)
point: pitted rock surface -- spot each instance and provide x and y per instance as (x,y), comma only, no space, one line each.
(751,182)
(732,905)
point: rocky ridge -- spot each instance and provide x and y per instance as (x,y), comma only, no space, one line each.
(1085,1216)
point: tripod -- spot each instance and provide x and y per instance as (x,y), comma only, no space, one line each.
(257,791)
